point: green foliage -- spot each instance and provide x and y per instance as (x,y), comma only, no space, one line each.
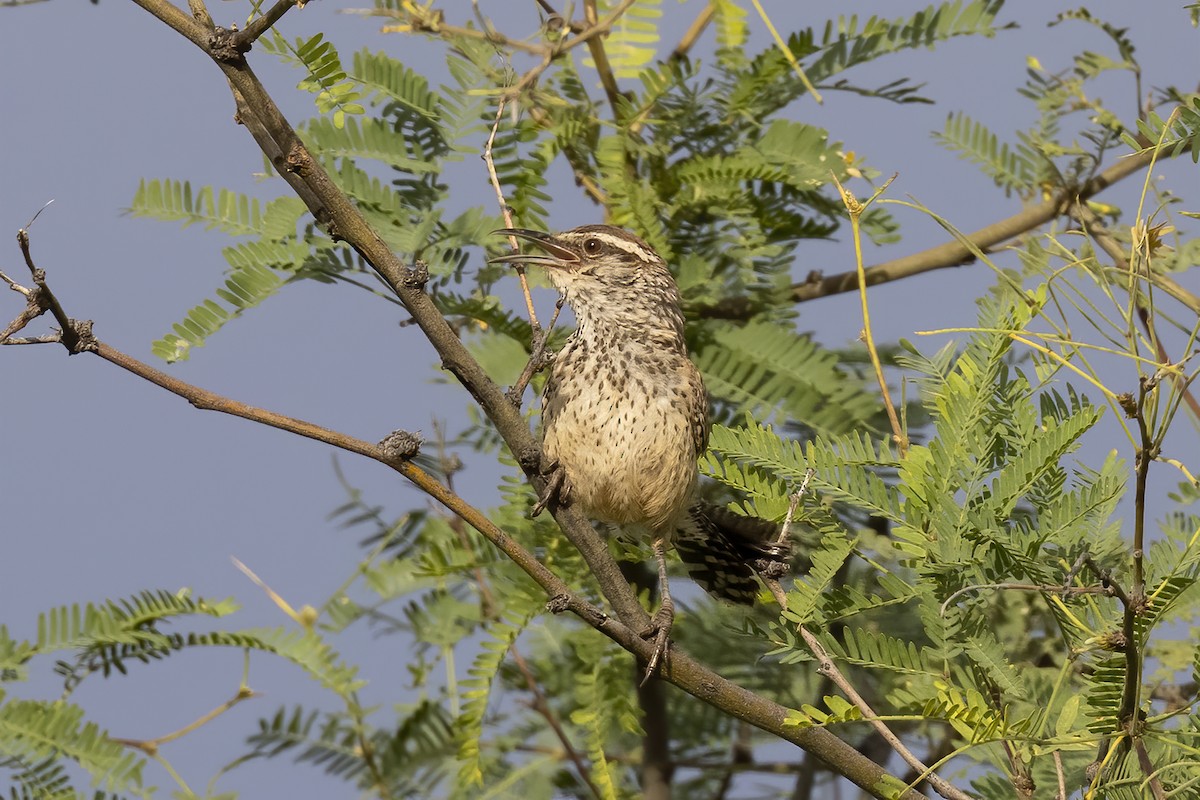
(632,43)
(704,180)
(37,737)
(1179,132)
(772,373)
(1011,169)
(34,735)
(476,691)
(334,90)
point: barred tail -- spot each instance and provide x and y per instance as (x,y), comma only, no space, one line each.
(724,550)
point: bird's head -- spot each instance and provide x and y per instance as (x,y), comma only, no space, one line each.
(605,272)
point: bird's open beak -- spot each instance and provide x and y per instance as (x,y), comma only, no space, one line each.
(555,254)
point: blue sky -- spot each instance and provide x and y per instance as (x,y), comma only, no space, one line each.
(111,486)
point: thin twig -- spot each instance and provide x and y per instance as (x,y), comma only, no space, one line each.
(793,504)
(1095,228)
(855,209)
(1028,587)
(787,52)
(150,746)
(1106,579)
(260,25)
(1022,782)
(1135,603)
(306,617)
(537,347)
(538,357)
(694,32)
(542,706)
(507,213)
(1143,757)
(71,335)
(487,596)
(771,581)
(549,9)
(438,27)
(826,667)
(600,58)
(1062,778)
(601,28)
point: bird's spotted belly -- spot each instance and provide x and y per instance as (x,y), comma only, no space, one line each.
(630,458)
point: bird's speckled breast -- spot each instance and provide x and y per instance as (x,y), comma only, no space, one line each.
(622,419)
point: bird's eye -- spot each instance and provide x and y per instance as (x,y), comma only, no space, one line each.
(591,246)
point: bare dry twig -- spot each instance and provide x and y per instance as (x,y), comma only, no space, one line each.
(772,581)
(506,212)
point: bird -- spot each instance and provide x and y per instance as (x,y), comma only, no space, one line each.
(625,417)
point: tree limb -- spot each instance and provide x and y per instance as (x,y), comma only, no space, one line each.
(956,254)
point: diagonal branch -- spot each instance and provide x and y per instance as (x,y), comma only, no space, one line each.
(956,254)
(599,28)
(338,215)
(694,31)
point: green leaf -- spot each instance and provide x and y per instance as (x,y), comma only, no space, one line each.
(1013,169)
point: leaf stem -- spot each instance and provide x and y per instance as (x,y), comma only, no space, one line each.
(855,209)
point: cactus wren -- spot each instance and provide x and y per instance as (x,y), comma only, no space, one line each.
(625,416)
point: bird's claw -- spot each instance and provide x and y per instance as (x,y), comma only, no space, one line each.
(557,491)
(660,631)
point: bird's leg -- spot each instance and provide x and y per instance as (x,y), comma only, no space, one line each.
(557,491)
(664,618)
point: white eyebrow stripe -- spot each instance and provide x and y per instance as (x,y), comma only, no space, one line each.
(621,243)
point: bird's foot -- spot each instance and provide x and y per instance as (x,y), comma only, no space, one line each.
(660,631)
(557,491)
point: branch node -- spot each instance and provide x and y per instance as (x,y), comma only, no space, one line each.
(558,604)
(1113,642)
(1128,404)
(298,159)
(530,460)
(1024,785)
(80,339)
(400,446)
(225,46)
(416,276)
